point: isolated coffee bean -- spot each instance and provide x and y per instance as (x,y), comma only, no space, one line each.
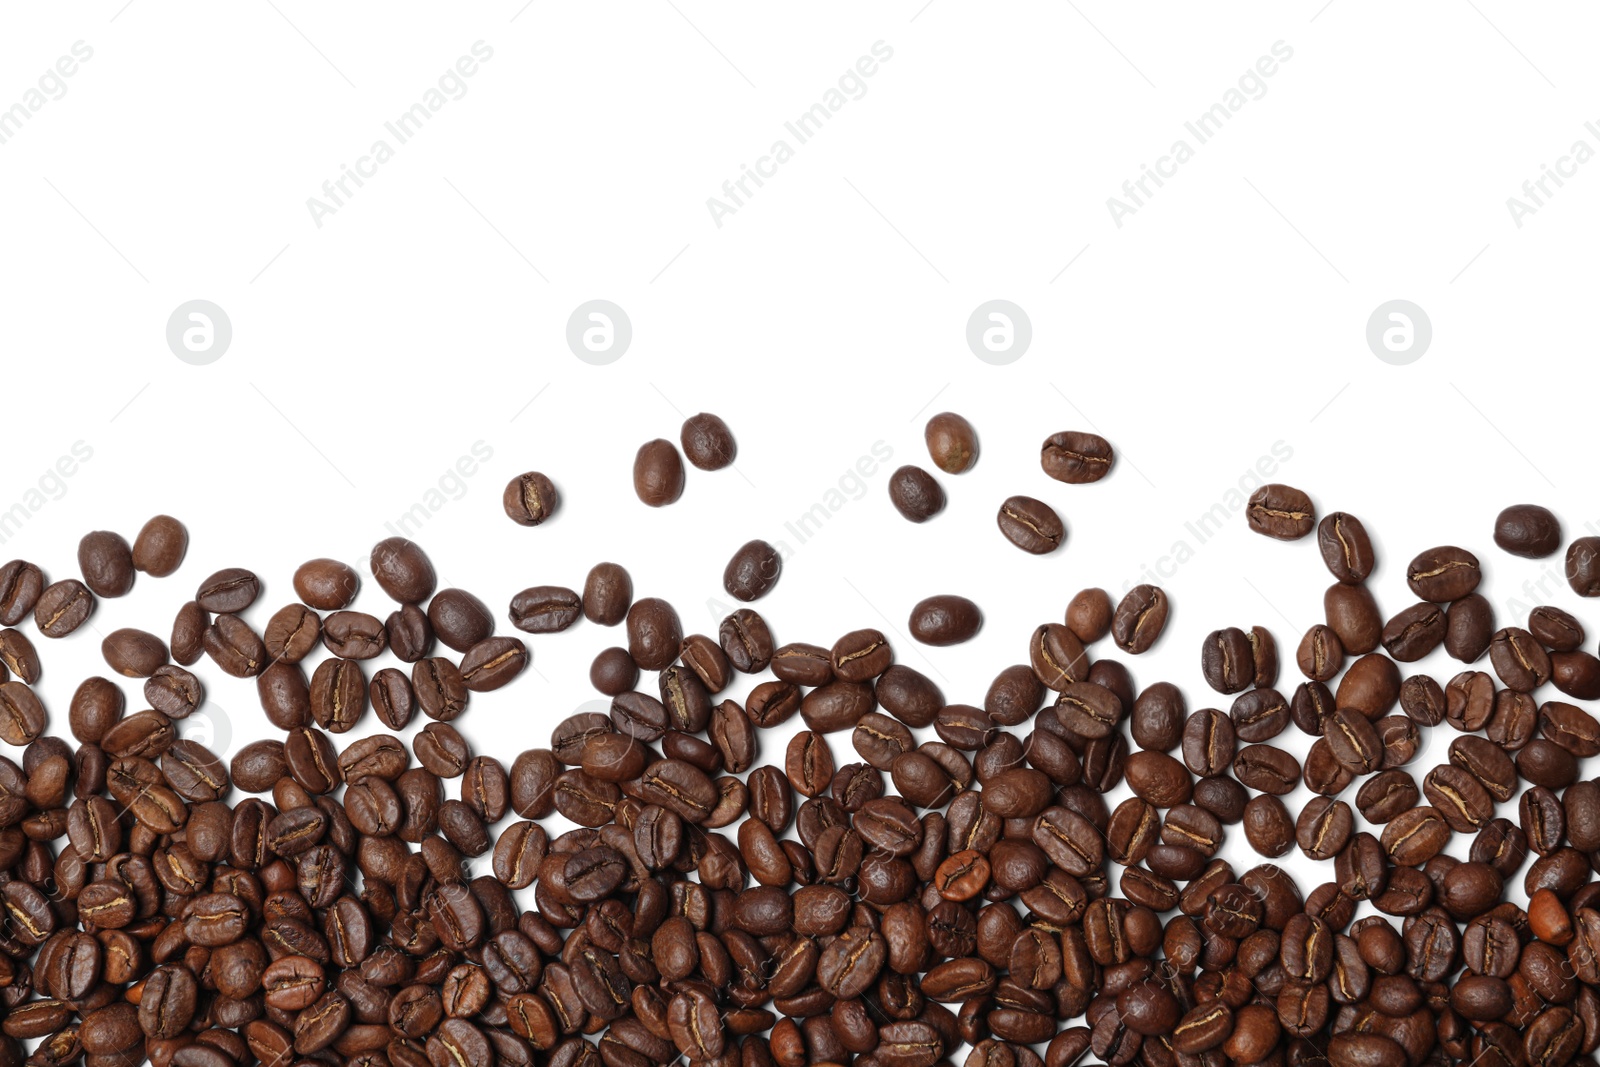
(658,473)
(1527,530)
(915,493)
(1031,525)
(402,569)
(1280,511)
(529,499)
(707,442)
(952,442)
(945,620)
(1076,457)
(106,562)
(752,572)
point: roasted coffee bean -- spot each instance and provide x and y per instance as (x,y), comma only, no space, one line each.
(62,607)
(1443,574)
(945,620)
(915,493)
(1076,457)
(1228,660)
(1527,530)
(707,442)
(952,442)
(1352,614)
(752,571)
(1139,619)
(529,499)
(1031,525)
(1469,627)
(1414,632)
(658,473)
(160,547)
(542,609)
(1280,511)
(106,562)
(492,663)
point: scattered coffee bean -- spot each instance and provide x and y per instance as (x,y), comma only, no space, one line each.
(952,442)
(915,493)
(707,442)
(1031,525)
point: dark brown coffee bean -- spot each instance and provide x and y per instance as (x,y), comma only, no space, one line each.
(1459,798)
(20,585)
(915,493)
(492,663)
(529,499)
(1527,530)
(1268,769)
(1075,457)
(1519,660)
(440,690)
(1228,660)
(752,572)
(1555,629)
(402,569)
(544,609)
(654,633)
(945,620)
(745,640)
(658,473)
(1139,619)
(62,607)
(1469,626)
(1443,574)
(1352,614)
(707,442)
(1280,511)
(106,562)
(1414,632)
(1031,525)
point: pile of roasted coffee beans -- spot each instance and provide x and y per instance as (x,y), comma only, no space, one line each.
(395,903)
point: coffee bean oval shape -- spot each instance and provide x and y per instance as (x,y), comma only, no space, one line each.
(159,548)
(952,442)
(402,570)
(545,609)
(658,473)
(752,572)
(530,498)
(1140,617)
(62,607)
(1280,511)
(326,584)
(707,442)
(106,562)
(1031,525)
(133,653)
(1076,457)
(1443,574)
(945,619)
(1528,530)
(1346,549)
(915,493)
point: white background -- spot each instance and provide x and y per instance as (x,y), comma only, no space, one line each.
(428,313)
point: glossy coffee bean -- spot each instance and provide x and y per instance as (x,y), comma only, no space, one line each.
(658,473)
(915,493)
(707,442)
(1031,525)
(1076,457)
(945,620)
(1280,511)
